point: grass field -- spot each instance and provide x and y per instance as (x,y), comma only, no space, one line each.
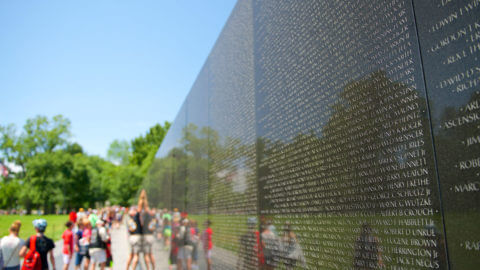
(55,228)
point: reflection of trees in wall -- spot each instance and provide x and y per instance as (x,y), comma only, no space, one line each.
(195,143)
(367,136)
(458,143)
(232,178)
(377,134)
(202,171)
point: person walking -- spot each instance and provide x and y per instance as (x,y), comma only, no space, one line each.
(195,239)
(81,214)
(10,247)
(1,259)
(68,243)
(43,245)
(72,216)
(148,228)
(250,248)
(292,251)
(84,242)
(172,259)
(97,244)
(270,245)
(185,246)
(134,237)
(167,233)
(207,243)
(81,250)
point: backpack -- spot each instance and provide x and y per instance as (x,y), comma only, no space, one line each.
(96,241)
(32,259)
(187,237)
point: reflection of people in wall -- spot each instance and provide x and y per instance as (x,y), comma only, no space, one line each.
(292,251)
(368,254)
(250,253)
(207,243)
(270,245)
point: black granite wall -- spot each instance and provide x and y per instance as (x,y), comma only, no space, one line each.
(333,135)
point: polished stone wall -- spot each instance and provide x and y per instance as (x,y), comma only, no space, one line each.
(333,135)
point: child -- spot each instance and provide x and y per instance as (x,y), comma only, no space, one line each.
(167,232)
(80,249)
(67,244)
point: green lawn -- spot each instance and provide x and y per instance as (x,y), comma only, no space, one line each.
(55,228)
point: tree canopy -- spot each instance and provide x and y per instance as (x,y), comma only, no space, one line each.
(56,174)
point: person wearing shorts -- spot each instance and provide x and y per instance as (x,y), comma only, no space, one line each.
(185,249)
(207,243)
(84,242)
(68,243)
(148,230)
(134,237)
(167,232)
(97,247)
(81,250)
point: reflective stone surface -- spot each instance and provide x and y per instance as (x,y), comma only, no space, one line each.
(449,34)
(333,135)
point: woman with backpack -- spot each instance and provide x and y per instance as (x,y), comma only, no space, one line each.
(39,247)
(10,247)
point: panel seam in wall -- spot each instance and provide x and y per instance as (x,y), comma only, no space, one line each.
(435,163)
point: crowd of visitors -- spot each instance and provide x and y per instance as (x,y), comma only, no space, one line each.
(179,235)
(86,236)
(87,241)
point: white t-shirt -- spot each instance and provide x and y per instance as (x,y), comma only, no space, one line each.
(11,246)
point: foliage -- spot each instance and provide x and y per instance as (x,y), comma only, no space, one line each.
(119,152)
(39,135)
(57,174)
(145,147)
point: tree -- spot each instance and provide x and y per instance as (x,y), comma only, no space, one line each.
(39,135)
(119,152)
(144,146)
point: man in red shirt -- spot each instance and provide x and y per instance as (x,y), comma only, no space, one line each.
(73,216)
(67,245)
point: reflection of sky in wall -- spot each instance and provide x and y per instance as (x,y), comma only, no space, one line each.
(197,100)
(222,95)
(434,56)
(174,134)
(237,178)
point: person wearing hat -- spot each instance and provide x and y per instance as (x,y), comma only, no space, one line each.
(43,245)
(81,214)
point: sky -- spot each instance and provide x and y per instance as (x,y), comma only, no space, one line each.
(114,68)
